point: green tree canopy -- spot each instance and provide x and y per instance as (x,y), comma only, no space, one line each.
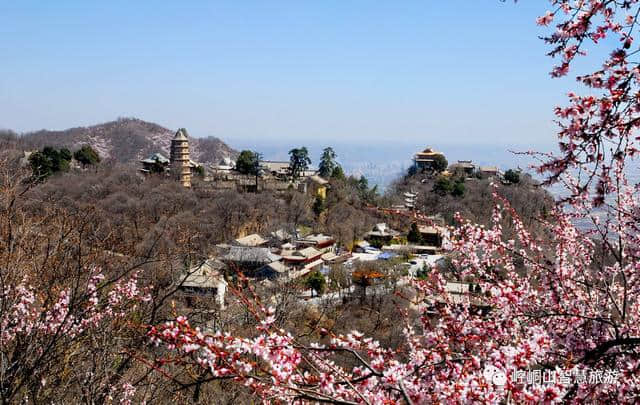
(512,176)
(299,161)
(414,235)
(40,165)
(87,155)
(158,167)
(423,273)
(363,184)
(440,163)
(328,162)
(338,173)
(317,282)
(248,162)
(413,170)
(443,185)
(458,189)
(319,205)
(199,170)
(48,161)
(64,154)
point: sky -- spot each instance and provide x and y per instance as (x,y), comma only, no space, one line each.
(451,73)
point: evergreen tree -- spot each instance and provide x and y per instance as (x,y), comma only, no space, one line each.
(338,173)
(248,162)
(512,176)
(199,170)
(423,273)
(458,189)
(440,163)
(157,167)
(443,186)
(49,161)
(317,282)
(64,154)
(319,206)
(327,162)
(86,155)
(40,165)
(363,184)
(414,235)
(412,171)
(299,161)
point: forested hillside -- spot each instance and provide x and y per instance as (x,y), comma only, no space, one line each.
(125,140)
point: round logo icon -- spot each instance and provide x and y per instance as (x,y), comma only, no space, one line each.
(499,378)
(488,372)
(495,375)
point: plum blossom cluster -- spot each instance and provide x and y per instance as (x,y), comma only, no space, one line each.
(44,324)
(123,394)
(560,308)
(27,314)
(274,365)
(567,300)
(597,129)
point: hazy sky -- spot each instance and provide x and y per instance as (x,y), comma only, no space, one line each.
(468,71)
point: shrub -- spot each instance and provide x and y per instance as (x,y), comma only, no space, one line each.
(458,189)
(317,282)
(512,176)
(87,156)
(443,185)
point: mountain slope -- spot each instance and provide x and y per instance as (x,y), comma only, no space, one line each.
(128,140)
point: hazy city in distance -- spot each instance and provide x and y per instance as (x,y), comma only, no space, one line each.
(383,161)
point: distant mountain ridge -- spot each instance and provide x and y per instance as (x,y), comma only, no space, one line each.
(127,140)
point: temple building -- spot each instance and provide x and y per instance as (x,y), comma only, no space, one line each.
(425,160)
(463,167)
(156,163)
(204,279)
(180,162)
